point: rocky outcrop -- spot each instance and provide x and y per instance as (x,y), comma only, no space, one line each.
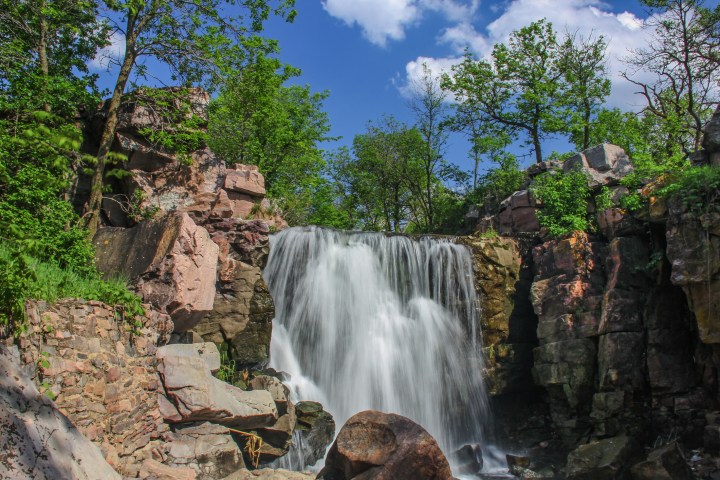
(604,164)
(171,261)
(380,446)
(38,441)
(243,308)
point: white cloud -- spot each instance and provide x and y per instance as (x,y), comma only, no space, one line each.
(621,30)
(414,72)
(110,55)
(380,20)
(383,20)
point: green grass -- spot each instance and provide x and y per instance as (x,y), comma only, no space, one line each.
(23,277)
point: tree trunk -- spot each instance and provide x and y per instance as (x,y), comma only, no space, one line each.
(536,146)
(106,141)
(586,127)
(42,56)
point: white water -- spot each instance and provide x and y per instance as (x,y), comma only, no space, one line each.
(371,321)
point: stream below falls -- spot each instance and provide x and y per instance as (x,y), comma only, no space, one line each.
(377,321)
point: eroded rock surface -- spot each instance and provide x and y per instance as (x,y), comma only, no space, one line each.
(378,446)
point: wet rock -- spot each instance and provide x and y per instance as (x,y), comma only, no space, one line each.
(317,430)
(172,261)
(382,446)
(38,441)
(468,459)
(206,449)
(198,396)
(599,460)
(664,463)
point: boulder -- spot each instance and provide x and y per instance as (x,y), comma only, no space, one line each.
(381,446)
(664,463)
(468,459)
(206,449)
(206,350)
(317,429)
(604,164)
(172,261)
(245,179)
(711,139)
(38,441)
(198,396)
(599,460)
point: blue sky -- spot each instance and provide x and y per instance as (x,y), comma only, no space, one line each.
(365,51)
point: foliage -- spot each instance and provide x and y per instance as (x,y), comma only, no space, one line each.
(499,183)
(697,188)
(45,46)
(682,61)
(583,64)
(519,89)
(383,177)
(603,200)
(564,200)
(178,128)
(23,277)
(36,172)
(258,120)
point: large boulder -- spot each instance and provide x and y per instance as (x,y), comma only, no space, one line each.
(604,164)
(194,395)
(379,446)
(172,261)
(317,429)
(38,441)
(600,460)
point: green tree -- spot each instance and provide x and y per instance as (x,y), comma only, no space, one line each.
(379,177)
(519,89)
(583,63)
(564,199)
(44,49)
(196,40)
(258,120)
(682,57)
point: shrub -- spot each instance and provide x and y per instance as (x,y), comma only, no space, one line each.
(697,188)
(564,200)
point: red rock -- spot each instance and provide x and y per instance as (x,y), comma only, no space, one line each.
(245,179)
(382,446)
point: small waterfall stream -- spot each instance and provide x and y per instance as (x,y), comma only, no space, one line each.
(376,321)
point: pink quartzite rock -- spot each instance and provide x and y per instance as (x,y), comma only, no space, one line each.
(245,179)
(379,446)
(172,261)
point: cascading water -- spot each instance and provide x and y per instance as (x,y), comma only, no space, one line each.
(375,321)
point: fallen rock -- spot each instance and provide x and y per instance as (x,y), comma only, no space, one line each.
(198,396)
(38,441)
(382,446)
(664,463)
(599,460)
(468,459)
(172,261)
(317,429)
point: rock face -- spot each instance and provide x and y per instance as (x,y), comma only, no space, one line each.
(172,261)
(380,446)
(38,441)
(243,309)
(102,380)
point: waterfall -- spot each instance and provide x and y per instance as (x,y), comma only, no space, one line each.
(377,321)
